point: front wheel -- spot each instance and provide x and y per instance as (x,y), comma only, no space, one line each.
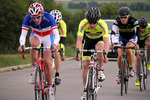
(122,76)
(38,86)
(145,74)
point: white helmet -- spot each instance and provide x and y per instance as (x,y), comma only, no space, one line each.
(57,15)
(35,9)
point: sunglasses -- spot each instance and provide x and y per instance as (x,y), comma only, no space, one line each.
(36,17)
(123,17)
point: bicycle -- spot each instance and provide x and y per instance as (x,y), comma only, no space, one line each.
(124,71)
(40,85)
(92,85)
(143,68)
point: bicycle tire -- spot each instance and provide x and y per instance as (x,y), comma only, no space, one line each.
(53,82)
(38,87)
(145,74)
(45,85)
(126,76)
(141,74)
(89,86)
(122,76)
(94,95)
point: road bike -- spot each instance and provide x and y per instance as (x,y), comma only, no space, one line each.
(41,85)
(124,71)
(142,72)
(92,85)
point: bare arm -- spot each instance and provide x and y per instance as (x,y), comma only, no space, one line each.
(106,44)
(79,42)
(79,46)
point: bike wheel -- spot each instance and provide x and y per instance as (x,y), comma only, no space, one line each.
(122,76)
(145,74)
(126,76)
(38,86)
(141,76)
(45,85)
(94,94)
(89,86)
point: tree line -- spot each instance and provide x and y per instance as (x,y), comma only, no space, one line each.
(133,6)
(14,11)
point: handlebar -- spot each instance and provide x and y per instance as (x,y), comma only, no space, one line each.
(37,48)
(92,51)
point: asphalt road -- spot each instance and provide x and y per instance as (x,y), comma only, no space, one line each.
(15,86)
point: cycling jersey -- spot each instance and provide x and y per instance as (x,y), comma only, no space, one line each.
(144,36)
(47,25)
(62,29)
(126,31)
(146,33)
(101,30)
(92,37)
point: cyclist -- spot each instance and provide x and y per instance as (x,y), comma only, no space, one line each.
(41,23)
(96,37)
(128,36)
(144,40)
(62,31)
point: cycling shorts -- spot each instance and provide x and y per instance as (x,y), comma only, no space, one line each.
(46,40)
(142,42)
(90,44)
(123,41)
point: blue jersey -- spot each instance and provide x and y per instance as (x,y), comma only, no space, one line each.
(47,24)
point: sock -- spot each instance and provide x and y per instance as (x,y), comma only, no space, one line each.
(137,75)
(34,67)
(130,67)
(101,69)
(50,87)
(57,74)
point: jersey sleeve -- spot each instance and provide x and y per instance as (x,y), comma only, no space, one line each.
(104,27)
(62,29)
(25,28)
(81,28)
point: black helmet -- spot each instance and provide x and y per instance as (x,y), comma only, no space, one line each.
(143,22)
(93,15)
(124,11)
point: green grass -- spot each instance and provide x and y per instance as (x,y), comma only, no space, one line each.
(13,60)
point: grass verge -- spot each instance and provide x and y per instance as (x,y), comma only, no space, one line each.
(16,59)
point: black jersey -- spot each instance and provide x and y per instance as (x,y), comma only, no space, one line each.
(128,30)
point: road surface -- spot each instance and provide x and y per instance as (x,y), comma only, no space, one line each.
(15,86)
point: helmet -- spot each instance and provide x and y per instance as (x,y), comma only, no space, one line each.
(35,9)
(57,15)
(124,11)
(143,22)
(93,15)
